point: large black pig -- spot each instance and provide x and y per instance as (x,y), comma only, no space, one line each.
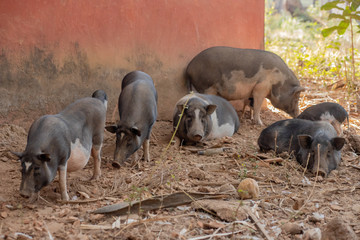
(205,117)
(315,144)
(327,111)
(64,143)
(138,112)
(240,74)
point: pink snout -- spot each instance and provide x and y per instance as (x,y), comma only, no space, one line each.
(320,172)
(29,194)
(197,138)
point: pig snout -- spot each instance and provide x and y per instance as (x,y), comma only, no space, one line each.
(196,132)
(119,159)
(320,172)
(116,164)
(26,193)
(197,137)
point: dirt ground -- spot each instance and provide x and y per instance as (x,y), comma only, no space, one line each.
(287,193)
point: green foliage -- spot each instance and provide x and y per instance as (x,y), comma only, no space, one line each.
(348,11)
(302,46)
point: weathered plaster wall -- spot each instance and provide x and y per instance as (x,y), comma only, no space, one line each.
(53,52)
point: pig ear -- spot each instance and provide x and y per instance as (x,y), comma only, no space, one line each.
(180,107)
(44,157)
(210,109)
(18,154)
(298,90)
(338,143)
(305,141)
(135,131)
(111,128)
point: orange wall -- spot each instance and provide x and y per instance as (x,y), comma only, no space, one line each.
(63,50)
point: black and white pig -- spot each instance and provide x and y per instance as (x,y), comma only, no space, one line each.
(138,112)
(327,111)
(240,74)
(315,143)
(205,117)
(63,143)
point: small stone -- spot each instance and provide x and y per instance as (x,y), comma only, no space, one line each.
(266,206)
(128,180)
(316,217)
(336,207)
(248,189)
(292,228)
(312,234)
(197,174)
(298,203)
(337,229)
(4,214)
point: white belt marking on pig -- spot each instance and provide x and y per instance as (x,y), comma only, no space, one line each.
(79,156)
(327,117)
(220,131)
(27,166)
(106,103)
(197,125)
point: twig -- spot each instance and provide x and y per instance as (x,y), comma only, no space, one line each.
(245,224)
(312,190)
(273,160)
(40,197)
(49,233)
(257,224)
(152,220)
(307,162)
(356,167)
(272,188)
(194,200)
(81,201)
(215,235)
(215,232)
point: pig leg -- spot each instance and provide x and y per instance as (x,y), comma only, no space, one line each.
(257,107)
(62,182)
(260,91)
(146,147)
(243,112)
(239,106)
(95,153)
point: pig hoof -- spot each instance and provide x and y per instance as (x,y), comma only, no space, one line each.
(116,164)
(65,197)
(258,122)
(95,177)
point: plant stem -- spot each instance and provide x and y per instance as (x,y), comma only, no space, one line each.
(352,56)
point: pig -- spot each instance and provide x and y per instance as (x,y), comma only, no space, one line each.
(63,142)
(314,143)
(138,112)
(205,117)
(240,74)
(327,111)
